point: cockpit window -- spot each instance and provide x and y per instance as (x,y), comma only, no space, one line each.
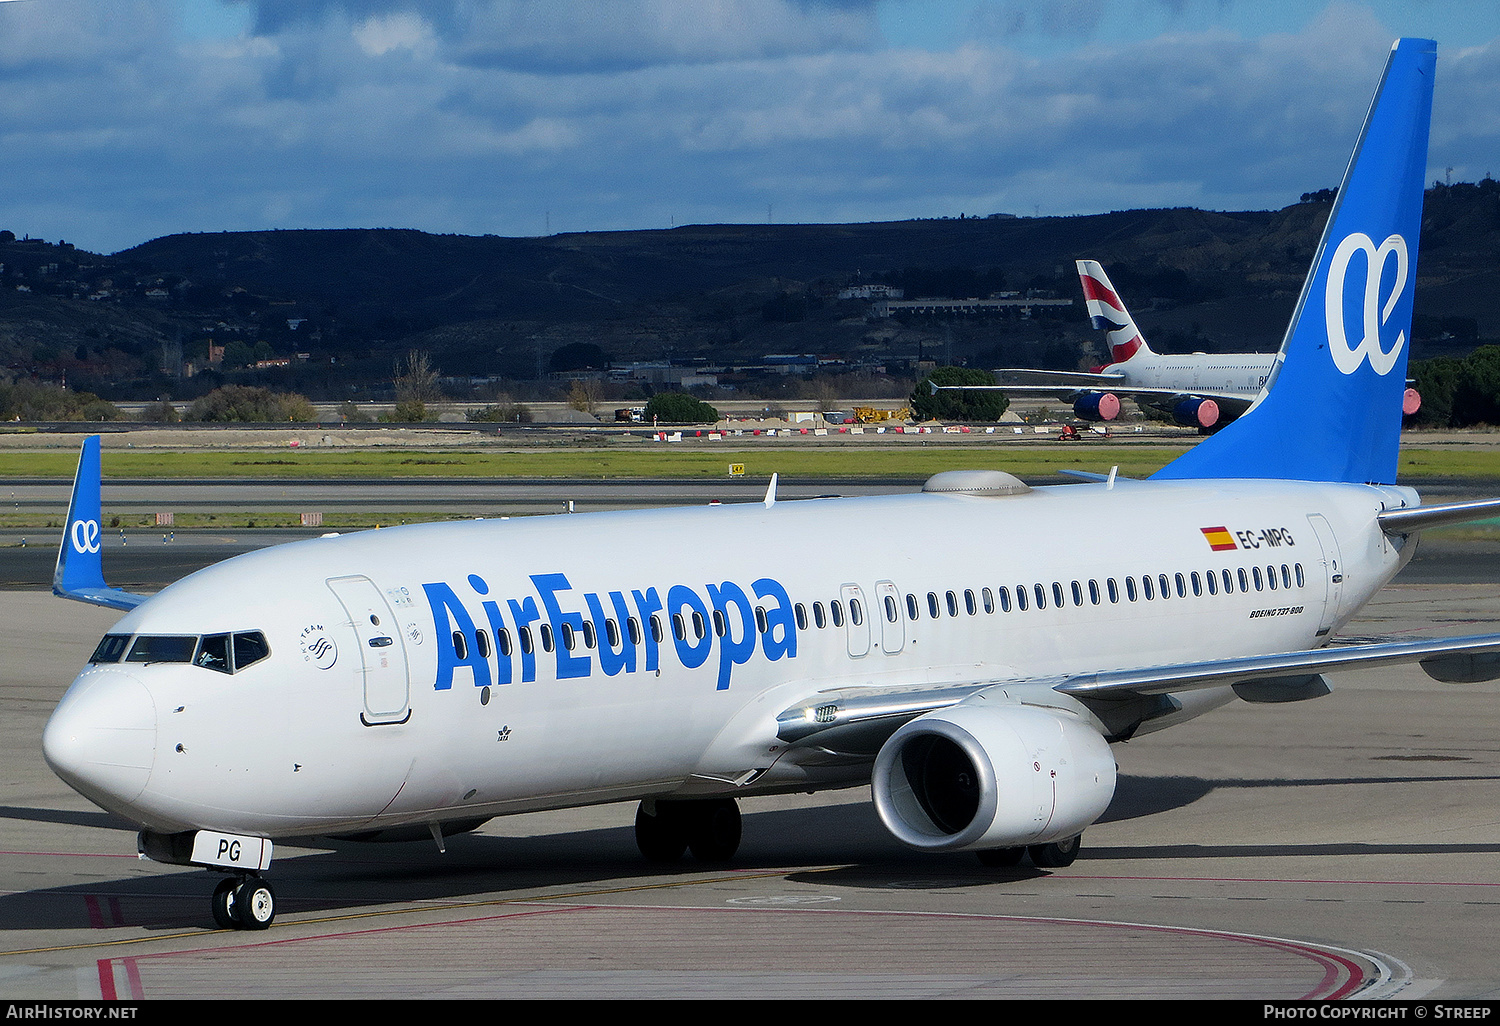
(249,647)
(111,648)
(213,653)
(162,648)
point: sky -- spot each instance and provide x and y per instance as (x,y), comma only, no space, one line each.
(125,120)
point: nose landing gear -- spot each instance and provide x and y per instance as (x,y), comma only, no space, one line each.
(244,903)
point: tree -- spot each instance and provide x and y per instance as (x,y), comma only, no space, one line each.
(416,380)
(974,406)
(679,408)
(249,404)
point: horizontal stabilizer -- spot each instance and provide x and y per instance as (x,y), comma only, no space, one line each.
(1420,518)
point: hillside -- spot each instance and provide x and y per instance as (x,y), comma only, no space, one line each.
(336,308)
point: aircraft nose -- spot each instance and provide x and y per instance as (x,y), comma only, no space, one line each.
(101,738)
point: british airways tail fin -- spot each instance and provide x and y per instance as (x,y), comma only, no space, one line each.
(1332,408)
(80,558)
(1108,313)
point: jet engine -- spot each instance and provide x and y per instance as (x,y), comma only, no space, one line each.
(1097,406)
(1196,412)
(992,773)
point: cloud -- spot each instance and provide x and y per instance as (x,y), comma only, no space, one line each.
(510,118)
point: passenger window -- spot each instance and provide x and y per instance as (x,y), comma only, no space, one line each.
(546,632)
(952,604)
(801,612)
(482,644)
(761,626)
(836,612)
(1286,576)
(699,627)
(1301,581)
(524,633)
(111,648)
(1057,595)
(460,645)
(213,653)
(1255,572)
(1271,577)
(969,603)
(163,649)
(818,617)
(249,647)
(566,630)
(911,607)
(633,630)
(891,610)
(1244,581)
(856,612)
(989,600)
(1165,588)
(1004,600)
(1147,588)
(1021,597)
(502,639)
(719,624)
(1130,588)
(932,605)
(1114,590)
(1041,596)
(1077,594)
(679,628)
(611,634)
(1228,582)
(1213,582)
(590,634)
(658,633)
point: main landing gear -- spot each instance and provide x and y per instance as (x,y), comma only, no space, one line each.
(244,902)
(1055,855)
(709,827)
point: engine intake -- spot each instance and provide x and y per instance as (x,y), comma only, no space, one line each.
(992,773)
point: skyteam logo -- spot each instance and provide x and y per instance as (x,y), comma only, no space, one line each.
(1374,316)
(85,534)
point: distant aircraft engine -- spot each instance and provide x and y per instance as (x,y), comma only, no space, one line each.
(1097,406)
(1195,412)
(1411,402)
(992,773)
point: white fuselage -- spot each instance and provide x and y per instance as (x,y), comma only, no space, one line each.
(1237,374)
(368,712)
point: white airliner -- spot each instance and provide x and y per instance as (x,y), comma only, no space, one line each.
(1201,390)
(431,677)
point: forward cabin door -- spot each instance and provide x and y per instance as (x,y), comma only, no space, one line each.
(382,652)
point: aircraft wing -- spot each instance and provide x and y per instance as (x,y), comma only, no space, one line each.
(1078,383)
(854,721)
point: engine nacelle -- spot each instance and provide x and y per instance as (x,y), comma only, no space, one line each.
(1097,406)
(992,773)
(1196,412)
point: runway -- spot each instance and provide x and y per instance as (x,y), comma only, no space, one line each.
(1344,847)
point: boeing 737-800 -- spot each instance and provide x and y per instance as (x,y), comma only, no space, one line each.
(430,677)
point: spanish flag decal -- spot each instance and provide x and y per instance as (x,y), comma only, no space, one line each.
(1219,538)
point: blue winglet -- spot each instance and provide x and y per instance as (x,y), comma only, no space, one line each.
(80,559)
(1332,410)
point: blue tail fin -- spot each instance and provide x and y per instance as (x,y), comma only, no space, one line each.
(1332,409)
(80,557)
